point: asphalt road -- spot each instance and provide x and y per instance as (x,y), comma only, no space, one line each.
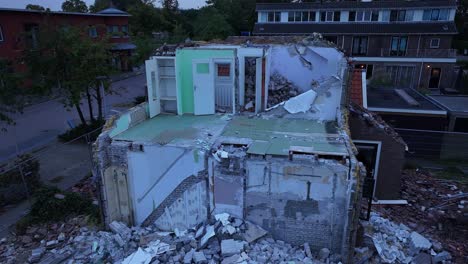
(41,123)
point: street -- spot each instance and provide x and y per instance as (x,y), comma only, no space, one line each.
(41,123)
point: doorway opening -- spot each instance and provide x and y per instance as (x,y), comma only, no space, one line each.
(434,80)
(250,83)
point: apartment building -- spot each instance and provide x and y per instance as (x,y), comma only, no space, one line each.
(14,23)
(401,44)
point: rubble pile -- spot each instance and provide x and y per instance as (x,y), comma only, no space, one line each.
(387,242)
(436,208)
(250,79)
(280,89)
(224,239)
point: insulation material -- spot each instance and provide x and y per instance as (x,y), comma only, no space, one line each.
(300,103)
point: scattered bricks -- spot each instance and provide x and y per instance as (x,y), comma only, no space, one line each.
(232,259)
(36,254)
(230,247)
(121,229)
(419,242)
(324,253)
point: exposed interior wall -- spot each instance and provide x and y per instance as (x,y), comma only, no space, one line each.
(155,172)
(299,201)
(184,58)
(131,118)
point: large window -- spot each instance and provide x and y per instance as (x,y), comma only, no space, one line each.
(330,16)
(435,43)
(360,45)
(301,16)
(125,30)
(274,17)
(1,34)
(401,15)
(363,16)
(435,14)
(398,46)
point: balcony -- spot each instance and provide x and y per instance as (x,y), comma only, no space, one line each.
(420,53)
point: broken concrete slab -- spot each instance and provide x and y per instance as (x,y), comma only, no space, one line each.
(253,232)
(138,257)
(442,256)
(324,253)
(418,242)
(210,232)
(120,229)
(199,257)
(230,247)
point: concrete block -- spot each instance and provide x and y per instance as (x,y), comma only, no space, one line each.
(230,247)
(418,242)
(324,253)
(189,256)
(121,229)
(442,256)
(199,257)
(253,232)
(232,259)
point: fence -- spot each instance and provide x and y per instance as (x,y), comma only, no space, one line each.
(60,164)
(435,144)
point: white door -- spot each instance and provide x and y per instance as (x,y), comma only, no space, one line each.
(203,87)
(154,100)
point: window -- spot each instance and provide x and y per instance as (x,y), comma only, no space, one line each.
(435,14)
(263,17)
(125,30)
(274,16)
(224,70)
(359,45)
(397,15)
(329,16)
(361,16)
(386,15)
(435,42)
(1,34)
(398,46)
(92,32)
(302,16)
(113,30)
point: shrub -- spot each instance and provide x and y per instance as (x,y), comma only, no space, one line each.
(81,130)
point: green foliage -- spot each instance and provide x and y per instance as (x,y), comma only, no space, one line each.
(35,7)
(240,14)
(211,24)
(11,96)
(80,130)
(145,19)
(170,5)
(47,208)
(74,6)
(145,47)
(66,57)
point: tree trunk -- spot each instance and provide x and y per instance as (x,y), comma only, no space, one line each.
(99,100)
(90,105)
(80,113)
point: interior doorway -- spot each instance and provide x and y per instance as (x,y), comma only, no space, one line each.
(369,155)
(434,80)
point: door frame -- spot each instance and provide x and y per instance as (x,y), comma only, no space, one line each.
(377,158)
(430,77)
(233,76)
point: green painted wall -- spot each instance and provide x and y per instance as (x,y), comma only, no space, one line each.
(184,59)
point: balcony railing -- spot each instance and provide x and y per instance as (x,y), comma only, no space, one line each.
(420,53)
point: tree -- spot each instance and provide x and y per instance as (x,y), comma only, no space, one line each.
(145,19)
(35,7)
(11,99)
(211,24)
(240,14)
(170,5)
(74,6)
(66,58)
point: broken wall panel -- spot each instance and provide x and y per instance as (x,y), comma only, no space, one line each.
(298,202)
(156,171)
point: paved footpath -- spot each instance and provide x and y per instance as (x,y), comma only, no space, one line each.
(60,165)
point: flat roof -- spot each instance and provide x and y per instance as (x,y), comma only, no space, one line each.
(394,4)
(104,14)
(452,103)
(264,135)
(183,130)
(387,100)
(277,136)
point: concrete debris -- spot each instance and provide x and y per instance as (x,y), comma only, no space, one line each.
(394,243)
(121,229)
(224,217)
(230,247)
(301,103)
(253,232)
(324,253)
(280,90)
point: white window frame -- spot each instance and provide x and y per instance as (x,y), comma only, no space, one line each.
(274,17)
(434,46)
(92,32)
(327,18)
(1,34)
(303,19)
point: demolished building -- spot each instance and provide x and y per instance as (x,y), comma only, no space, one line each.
(254,129)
